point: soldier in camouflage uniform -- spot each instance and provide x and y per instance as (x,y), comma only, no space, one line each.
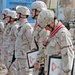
(23,41)
(59,42)
(1,39)
(12,26)
(3,69)
(38,35)
(5,36)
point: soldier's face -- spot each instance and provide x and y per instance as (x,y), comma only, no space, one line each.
(18,14)
(12,19)
(7,19)
(23,16)
(48,28)
(2,16)
(33,12)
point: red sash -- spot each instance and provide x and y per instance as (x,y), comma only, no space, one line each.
(55,30)
(35,24)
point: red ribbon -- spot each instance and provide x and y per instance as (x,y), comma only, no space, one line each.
(55,30)
(35,24)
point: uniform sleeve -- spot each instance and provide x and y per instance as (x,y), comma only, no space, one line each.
(33,45)
(35,35)
(67,51)
(15,29)
(43,35)
(29,31)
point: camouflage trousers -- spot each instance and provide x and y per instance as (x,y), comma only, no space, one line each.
(35,71)
(20,67)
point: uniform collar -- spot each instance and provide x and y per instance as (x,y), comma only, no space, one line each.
(25,21)
(56,29)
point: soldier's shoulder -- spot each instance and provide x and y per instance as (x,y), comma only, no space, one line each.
(16,25)
(28,25)
(63,31)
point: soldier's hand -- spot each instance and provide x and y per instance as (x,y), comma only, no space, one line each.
(45,41)
(46,73)
(36,65)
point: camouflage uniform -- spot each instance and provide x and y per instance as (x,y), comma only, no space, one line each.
(60,46)
(6,37)
(11,40)
(6,43)
(59,42)
(1,40)
(5,14)
(22,45)
(38,33)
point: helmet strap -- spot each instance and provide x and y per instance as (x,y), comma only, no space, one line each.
(19,16)
(39,26)
(4,16)
(9,20)
(35,14)
(53,26)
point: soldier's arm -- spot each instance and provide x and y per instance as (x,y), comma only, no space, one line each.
(15,29)
(67,52)
(43,35)
(29,31)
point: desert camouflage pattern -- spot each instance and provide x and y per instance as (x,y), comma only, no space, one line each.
(11,41)
(5,43)
(38,35)
(61,45)
(23,45)
(1,40)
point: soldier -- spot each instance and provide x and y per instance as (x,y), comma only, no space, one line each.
(23,41)
(12,35)
(59,42)
(13,30)
(6,35)
(1,39)
(38,35)
(3,69)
